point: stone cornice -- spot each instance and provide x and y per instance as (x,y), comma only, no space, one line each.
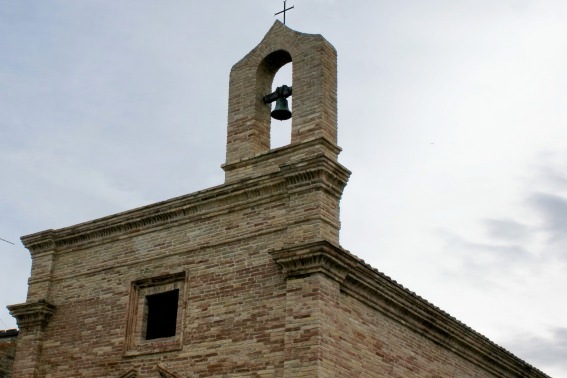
(284,153)
(303,260)
(385,295)
(31,315)
(319,170)
(164,213)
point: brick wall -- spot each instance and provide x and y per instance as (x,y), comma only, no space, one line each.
(233,320)
(235,313)
(7,352)
(363,342)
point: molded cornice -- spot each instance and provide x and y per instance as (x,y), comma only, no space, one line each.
(303,260)
(30,315)
(166,213)
(289,152)
(368,285)
(318,170)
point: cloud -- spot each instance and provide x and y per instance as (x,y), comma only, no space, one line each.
(487,264)
(507,230)
(548,351)
(472,249)
(554,175)
(553,211)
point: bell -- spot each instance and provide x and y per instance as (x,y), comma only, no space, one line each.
(281,111)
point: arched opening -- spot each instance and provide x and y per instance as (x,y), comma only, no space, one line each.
(280,131)
(266,72)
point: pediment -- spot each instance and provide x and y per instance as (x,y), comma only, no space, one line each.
(166,372)
(132,373)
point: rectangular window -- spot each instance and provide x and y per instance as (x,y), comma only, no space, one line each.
(162,314)
(155,315)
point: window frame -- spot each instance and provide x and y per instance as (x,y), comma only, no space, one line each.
(137,316)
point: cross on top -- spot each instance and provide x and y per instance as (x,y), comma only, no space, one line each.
(284,10)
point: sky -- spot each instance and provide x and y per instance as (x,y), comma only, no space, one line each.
(452,119)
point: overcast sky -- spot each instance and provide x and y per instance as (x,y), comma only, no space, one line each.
(452,119)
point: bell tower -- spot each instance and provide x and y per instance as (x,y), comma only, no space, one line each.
(314,95)
(304,180)
(313,177)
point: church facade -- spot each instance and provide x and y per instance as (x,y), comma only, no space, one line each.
(246,279)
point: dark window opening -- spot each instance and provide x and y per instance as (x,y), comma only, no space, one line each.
(162,314)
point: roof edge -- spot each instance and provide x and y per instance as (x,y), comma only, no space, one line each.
(375,289)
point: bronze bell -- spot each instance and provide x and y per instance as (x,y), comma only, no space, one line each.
(281,112)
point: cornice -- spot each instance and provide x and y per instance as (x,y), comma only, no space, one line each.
(291,150)
(303,260)
(318,170)
(383,294)
(166,213)
(30,315)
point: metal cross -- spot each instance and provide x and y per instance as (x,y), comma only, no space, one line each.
(284,10)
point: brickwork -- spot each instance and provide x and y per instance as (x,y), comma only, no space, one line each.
(264,289)
(314,93)
(7,352)
(368,325)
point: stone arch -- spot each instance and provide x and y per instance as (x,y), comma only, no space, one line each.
(314,92)
(265,74)
(280,130)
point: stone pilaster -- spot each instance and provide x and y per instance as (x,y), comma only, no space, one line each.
(42,248)
(32,319)
(315,186)
(313,273)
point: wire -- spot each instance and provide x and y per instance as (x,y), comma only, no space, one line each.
(7,241)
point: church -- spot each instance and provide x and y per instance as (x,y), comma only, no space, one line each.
(245,279)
